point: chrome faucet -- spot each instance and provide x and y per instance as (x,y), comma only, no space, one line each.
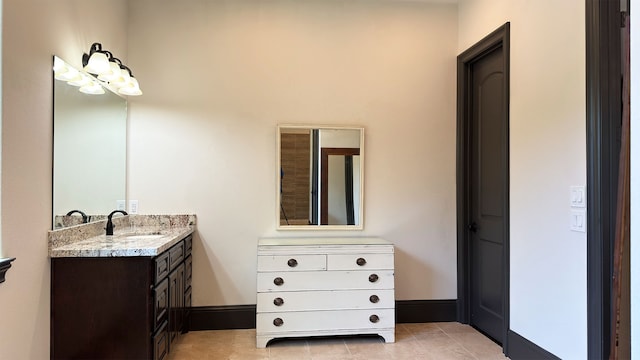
(85,218)
(109,227)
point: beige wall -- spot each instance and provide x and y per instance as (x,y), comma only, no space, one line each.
(32,32)
(219,76)
(236,70)
(548,155)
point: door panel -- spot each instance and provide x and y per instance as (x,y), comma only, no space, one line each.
(487,193)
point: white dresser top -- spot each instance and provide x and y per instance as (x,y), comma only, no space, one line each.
(301,245)
(300,241)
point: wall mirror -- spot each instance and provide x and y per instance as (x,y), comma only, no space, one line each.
(319,177)
(89,150)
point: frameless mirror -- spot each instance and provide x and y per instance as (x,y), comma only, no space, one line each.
(89,152)
(319,177)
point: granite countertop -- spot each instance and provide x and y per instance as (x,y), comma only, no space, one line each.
(142,242)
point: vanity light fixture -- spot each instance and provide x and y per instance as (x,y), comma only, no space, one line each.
(110,70)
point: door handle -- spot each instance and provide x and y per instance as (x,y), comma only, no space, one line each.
(473,227)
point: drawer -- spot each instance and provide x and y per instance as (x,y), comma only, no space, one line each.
(325,300)
(188,245)
(359,261)
(162,267)
(292,262)
(160,302)
(160,342)
(324,320)
(325,280)
(176,254)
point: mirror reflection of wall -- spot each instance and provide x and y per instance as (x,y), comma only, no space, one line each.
(89,155)
(320,177)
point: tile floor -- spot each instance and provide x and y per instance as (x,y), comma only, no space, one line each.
(441,341)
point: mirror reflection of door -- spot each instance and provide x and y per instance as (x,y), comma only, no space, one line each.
(340,188)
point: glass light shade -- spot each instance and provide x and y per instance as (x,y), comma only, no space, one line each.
(64,72)
(82,80)
(122,79)
(113,74)
(93,88)
(59,65)
(98,64)
(131,88)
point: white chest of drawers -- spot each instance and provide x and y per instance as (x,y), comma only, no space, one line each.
(324,286)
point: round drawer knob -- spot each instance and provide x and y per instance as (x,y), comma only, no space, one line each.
(374,318)
(373,278)
(279,322)
(374,298)
(361,262)
(278,301)
(278,281)
(292,262)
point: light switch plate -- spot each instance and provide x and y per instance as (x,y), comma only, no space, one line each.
(578,196)
(133,206)
(578,220)
(121,205)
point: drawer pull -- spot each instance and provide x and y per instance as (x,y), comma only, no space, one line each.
(372,278)
(374,298)
(361,262)
(374,318)
(292,262)
(279,322)
(278,281)
(278,301)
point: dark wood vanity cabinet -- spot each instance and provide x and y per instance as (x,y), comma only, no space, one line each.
(120,307)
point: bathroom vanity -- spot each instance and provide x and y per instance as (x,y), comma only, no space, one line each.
(324,286)
(125,296)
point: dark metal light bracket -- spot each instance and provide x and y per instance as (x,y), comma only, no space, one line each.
(5,264)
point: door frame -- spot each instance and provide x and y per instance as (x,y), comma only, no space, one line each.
(324,175)
(603,99)
(498,38)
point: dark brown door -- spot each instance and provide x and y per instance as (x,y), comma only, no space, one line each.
(487,193)
(483,185)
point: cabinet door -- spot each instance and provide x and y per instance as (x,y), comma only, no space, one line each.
(176,301)
(187,310)
(188,271)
